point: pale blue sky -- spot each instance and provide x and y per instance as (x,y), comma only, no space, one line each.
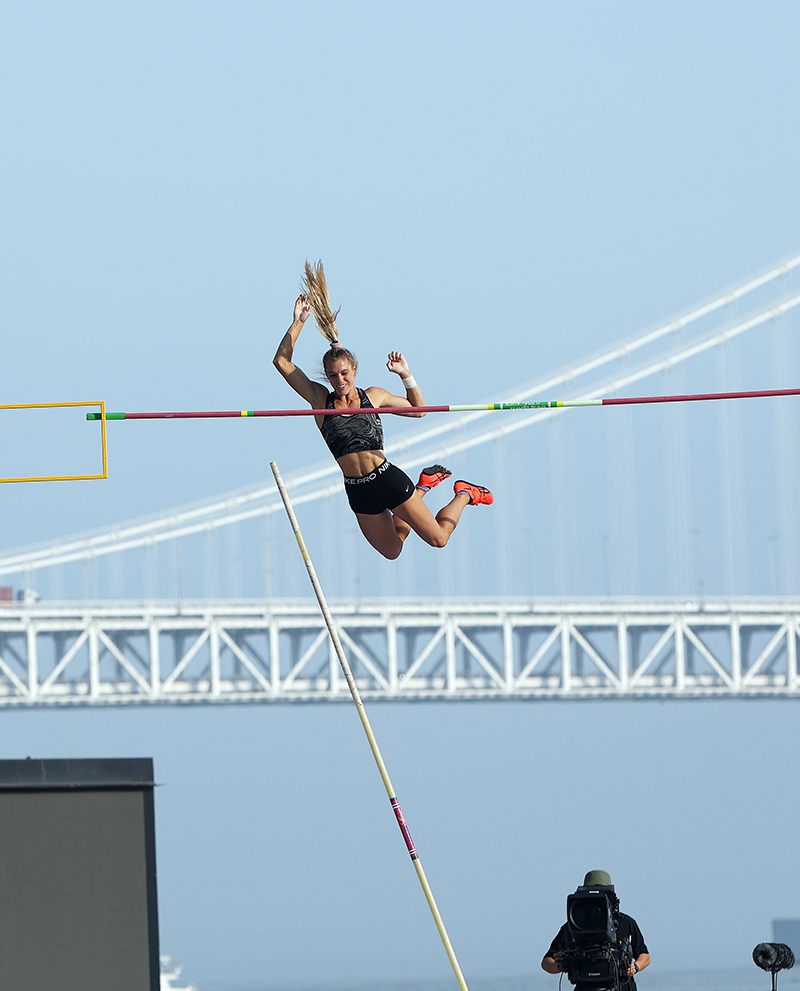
(496,189)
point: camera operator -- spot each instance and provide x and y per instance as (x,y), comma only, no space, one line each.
(630,946)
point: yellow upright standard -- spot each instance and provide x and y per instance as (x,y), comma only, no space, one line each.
(66,478)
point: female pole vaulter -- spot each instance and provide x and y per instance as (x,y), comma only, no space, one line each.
(387,504)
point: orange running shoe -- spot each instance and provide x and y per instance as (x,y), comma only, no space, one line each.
(429,478)
(477,493)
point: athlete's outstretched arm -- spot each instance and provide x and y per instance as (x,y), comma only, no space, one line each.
(313,393)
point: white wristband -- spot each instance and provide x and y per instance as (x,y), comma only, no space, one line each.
(409,382)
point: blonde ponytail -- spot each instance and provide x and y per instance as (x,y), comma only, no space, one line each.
(316,289)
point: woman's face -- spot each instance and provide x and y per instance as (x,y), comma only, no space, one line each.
(340,374)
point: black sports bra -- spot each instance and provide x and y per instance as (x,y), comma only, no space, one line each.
(352,432)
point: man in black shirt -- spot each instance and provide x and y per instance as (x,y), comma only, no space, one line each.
(626,928)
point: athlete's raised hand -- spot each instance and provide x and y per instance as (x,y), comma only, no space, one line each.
(302,309)
(398,364)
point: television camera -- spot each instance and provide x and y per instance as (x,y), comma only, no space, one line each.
(595,957)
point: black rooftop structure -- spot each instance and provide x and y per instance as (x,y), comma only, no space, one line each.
(78,905)
(122,772)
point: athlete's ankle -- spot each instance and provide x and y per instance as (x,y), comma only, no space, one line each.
(477,495)
(430,477)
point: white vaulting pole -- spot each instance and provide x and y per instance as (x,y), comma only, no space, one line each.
(373,743)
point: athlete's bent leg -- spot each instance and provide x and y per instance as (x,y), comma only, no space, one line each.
(401,528)
(434,530)
(382,534)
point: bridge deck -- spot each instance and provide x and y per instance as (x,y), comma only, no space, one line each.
(123,653)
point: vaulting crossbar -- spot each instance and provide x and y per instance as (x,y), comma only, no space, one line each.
(89,416)
(478,407)
(373,743)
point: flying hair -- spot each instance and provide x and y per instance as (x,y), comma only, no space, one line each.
(316,288)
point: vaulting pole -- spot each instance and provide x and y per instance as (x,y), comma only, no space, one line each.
(373,743)
(482,407)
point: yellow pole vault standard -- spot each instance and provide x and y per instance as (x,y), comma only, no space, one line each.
(101,415)
(373,743)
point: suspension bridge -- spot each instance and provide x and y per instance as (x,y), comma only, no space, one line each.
(205,603)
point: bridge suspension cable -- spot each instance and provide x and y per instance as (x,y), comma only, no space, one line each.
(261,499)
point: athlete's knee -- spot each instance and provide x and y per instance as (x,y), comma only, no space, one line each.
(438,539)
(392,554)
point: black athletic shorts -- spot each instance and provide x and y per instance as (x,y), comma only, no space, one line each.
(385,488)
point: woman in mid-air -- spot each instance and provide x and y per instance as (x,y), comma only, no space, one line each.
(387,504)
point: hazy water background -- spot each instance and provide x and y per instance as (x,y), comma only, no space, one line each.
(740,979)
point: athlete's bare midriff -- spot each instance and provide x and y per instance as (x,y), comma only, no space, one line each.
(360,464)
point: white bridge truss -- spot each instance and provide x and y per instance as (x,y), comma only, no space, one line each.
(222,652)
